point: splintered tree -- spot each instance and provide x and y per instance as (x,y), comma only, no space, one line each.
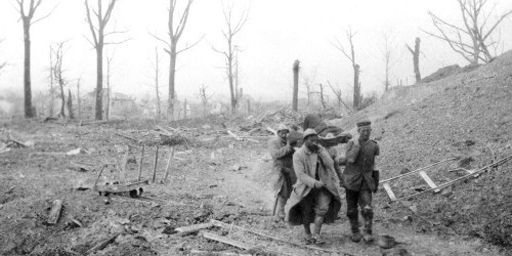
(27,10)
(387,52)
(58,74)
(416,58)
(351,56)
(109,89)
(205,98)
(339,96)
(295,97)
(157,84)
(322,96)
(176,25)
(78,101)
(233,26)
(98,19)
(70,105)
(472,38)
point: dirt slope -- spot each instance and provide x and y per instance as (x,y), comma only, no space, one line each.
(468,115)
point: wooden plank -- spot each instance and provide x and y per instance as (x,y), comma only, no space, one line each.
(388,190)
(54,215)
(417,170)
(224,225)
(427,179)
(225,240)
(168,168)
(193,228)
(140,163)
(102,244)
(155,164)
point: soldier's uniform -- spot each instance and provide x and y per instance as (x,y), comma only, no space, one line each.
(360,180)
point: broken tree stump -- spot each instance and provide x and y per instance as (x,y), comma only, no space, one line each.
(54,215)
(168,168)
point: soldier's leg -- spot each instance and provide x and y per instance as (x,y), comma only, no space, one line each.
(322,201)
(307,205)
(281,202)
(365,202)
(352,198)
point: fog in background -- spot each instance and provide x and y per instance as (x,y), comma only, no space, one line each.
(277,32)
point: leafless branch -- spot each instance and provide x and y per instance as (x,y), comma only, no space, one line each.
(187,47)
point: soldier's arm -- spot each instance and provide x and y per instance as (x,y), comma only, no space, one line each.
(277,152)
(300,171)
(352,152)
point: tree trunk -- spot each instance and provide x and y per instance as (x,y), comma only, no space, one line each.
(231,83)
(172,73)
(357,87)
(107,107)
(27,85)
(185,109)
(52,97)
(322,99)
(416,59)
(62,97)
(99,82)
(295,97)
(78,99)
(248,106)
(157,92)
(70,105)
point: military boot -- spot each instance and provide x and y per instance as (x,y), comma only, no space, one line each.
(367,229)
(354,227)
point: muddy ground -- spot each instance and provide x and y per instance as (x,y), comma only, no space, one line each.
(213,177)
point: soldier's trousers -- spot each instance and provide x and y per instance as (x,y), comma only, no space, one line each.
(363,199)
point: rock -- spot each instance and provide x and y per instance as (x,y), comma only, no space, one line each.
(405,170)
(386,241)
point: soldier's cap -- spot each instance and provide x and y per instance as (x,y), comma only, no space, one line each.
(282,127)
(364,123)
(309,132)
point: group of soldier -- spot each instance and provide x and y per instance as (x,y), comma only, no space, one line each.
(307,166)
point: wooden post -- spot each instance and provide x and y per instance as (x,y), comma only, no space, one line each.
(295,98)
(156,164)
(168,168)
(140,163)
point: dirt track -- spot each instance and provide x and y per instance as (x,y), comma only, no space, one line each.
(227,181)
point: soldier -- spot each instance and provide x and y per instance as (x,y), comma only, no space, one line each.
(281,150)
(360,180)
(314,198)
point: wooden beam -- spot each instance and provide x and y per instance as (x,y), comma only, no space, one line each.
(155,164)
(225,240)
(140,163)
(429,181)
(193,228)
(388,190)
(54,215)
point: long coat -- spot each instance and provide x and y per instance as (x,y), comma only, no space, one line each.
(283,176)
(304,164)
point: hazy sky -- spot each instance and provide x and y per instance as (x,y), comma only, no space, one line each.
(277,33)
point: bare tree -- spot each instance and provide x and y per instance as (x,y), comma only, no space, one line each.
(58,74)
(416,58)
(295,97)
(387,53)
(98,19)
(176,25)
(205,98)
(473,37)
(351,56)
(78,100)
(233,27)
(52,89)
(322,97)
(339,96)
(157,84)
(71,115)
(109,88)
(27,10)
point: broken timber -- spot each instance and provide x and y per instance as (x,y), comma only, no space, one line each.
(225,240)
(54,215)
(437,188)
(193,228)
